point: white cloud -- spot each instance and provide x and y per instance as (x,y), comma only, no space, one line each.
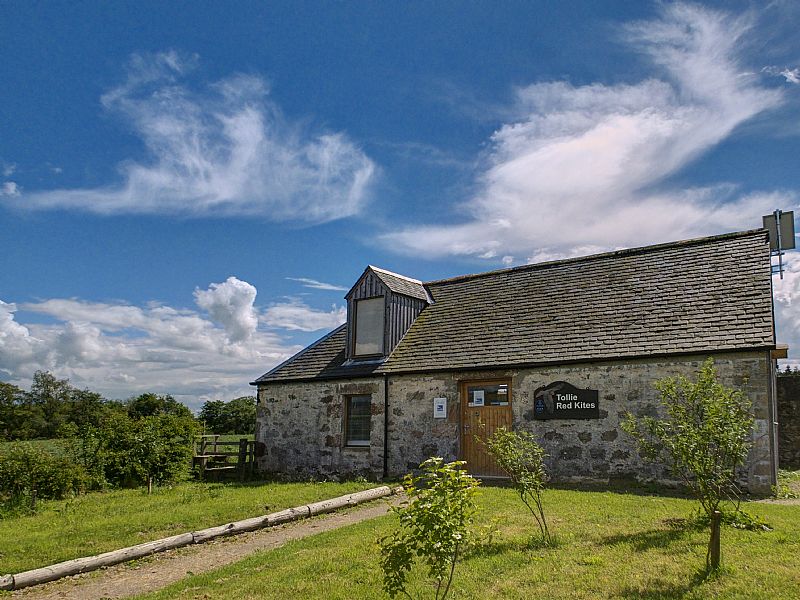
(121,350)
(8,169)
(789,74)
(787,306)
(582,168)
(9,188)
(298,316)
(231,304)
(224,150)
(318,285)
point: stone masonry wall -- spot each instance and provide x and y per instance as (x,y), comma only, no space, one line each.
(300,429)
(789,422)
(592,449)
(300,426)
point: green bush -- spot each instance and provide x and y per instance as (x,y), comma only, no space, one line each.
(434,527)
(522,459)
(25,468)
(127,452)
(704,439)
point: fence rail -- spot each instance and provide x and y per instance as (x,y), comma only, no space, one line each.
(213,457)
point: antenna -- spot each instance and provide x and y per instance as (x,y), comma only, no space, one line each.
(780,226)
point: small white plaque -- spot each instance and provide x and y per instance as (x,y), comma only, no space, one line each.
(477,398)
(440,408)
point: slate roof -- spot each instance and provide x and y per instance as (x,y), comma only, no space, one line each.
(401,284)
(704,295)
(321,360)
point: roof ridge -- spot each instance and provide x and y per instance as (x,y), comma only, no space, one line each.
(613,253)
(388,272)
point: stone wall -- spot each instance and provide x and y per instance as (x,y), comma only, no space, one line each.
(301,424)
(300,429)
(789,422)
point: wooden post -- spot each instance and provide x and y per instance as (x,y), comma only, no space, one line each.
(242,458)
(251,457)
(714,546)
(33,499)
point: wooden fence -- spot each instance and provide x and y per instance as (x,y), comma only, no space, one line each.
(215,458)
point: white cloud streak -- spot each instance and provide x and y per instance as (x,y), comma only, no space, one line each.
(122,350)
(789,74)
(298,316)
(318,285)
(225,150)
(582,168)
(9,188)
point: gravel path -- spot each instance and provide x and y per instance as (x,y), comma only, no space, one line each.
(160,570)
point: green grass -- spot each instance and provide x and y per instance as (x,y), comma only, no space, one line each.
(788,484)
(99,522)
(54,446)
(611,545)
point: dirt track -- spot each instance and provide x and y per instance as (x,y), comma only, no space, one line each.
(160,570)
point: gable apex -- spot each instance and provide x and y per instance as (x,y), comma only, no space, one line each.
(393,282)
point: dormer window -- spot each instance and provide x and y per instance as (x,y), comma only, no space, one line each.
(381,306)
(369,327)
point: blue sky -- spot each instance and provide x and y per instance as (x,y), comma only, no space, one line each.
(187,189)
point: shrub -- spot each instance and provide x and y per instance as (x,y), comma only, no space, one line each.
(522,459)
(704,439)
(25,468)
(127,452)
(433,527)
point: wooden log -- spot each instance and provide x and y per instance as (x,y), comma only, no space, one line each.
(6,582)
(349,500)
(290,514)
(82,565)
(90,563)
(205,535)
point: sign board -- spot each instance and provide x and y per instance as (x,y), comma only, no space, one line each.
(440,408)
(561,400)
(786,219)
(478,398)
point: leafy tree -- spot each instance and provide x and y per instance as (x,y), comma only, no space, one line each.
(704,439)
(213,417)
(149,404)
(49,406)
(12,418)
(241,415)
(433,527)
(236,416)
(50,397)
(522,459)
(126,452)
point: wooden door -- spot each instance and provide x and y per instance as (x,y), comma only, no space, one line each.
(485,406)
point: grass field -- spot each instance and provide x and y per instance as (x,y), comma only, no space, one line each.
(99,522)
(611,545)
(52,445)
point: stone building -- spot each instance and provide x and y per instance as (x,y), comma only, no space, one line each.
(561,349)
